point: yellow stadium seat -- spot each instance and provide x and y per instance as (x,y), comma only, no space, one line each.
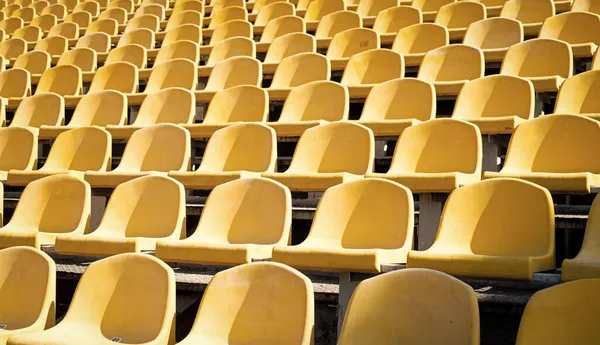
(67,30)
(298,70)
(25,13)
(54,45)
(118,14)
(31,34)
(273,11)
(84,58)
(28,291)
(259,4)
(107,26)
(231,47)
(45,21)
(15,83)
(227,14)
(232,28)
(18,150)
(586,264)
(64,80)
(531,13)
(48,207)
(508,233)
(581,30)
(75,151)
(239,70)
(146,21)
(457,17)
(282,26)
(59,10)
(183,32)
(13,47)
(153,9)
(369,9)
(244,103)
(219,5)
(383,310)
(178,73)
(35,62)
(119,76)
(353,41)
(364,236)
(69,4)
(318,9)
(592,6)
(39,6)
(414,41)
(429,8)
(334,23)
(551,151)
(483,102)
(9,10)
(228,313)
(545,62)
(494,36)
(192,5)
(100,109)
(125,310)
(84,20)
(436,156)
(41,109)
(92,7)
(577,95)
(492,7)
(310,105)
(170,105)
(394,105)
(327,155)
(369,68)
(285,46)
(10,25)
(143,37)
(388,22)
(151,150)
(127,5)
(184,17)
(139,213)
(178,50)
(132,54)
(450,67)
(240,150)
(164,3)
(99,42)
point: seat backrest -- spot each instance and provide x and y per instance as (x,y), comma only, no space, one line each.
(25,13)
(36,62)
(134,54)
(393,19)
(143,37)
(179,50)
(98,41)
(336,22)
(430,5)
(300,69)
(460,14)
(174,73)
(108,26)
(577,94)
(244,103)
(70,4)
(231,47)
(88,6)
(191,5)
(317,100)
(146,21)
(274,10)
(154,9)
(127,5)
(402,98)
(239,70)
(13,47)
(370,8)
(18,148)
(41,109)
(281,26)
(232,28)
(446,304)
(373,67)
(347,43)
(55,45)
(592,6)
(84,20)
(334,147)
(219,5)
(44,21)
(84,58)
(189,32)
(59,10)
(80,149)
(67,30)
(539,57)
(227,14)
(317,9)
(572,27)
(64,80)
(289,45)
(100,108)
(120,76)
(29,33)
(184,17)
(454,62)
(116,13)
(528,11)
(15,82)
(10,25)
(259,4)
(494,33)
(170,105)
(439,146)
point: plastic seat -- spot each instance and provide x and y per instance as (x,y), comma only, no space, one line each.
(183,32)
(25,13)
(55,45)
(67,30)
(120,76)
(163,3)
(450,67)
(9,10)
(41,109)
(219,5)
(75,151)
(39,6)
(545,62)
(414,41)
(334,23)
(119,311)
(318,9)
(59,10)
(492,7)
(127,5)
(273,11)
(577,95)
(494,36)
(298,70)
(152,150)
(228,312)
(286,46)
(64,80)
(240,150)
(483,102)
(430,8)
(231,47)
(143,37)
(28,291)
(179,73)
(10,25)
(259,4)
(132,54)
(227,14)
(84,20)
(457,17)
(389,21)
(369,9)
(363,235)
(586,264)
(352,41)
(44,21)
(539,152)
(84,58)
(170,105)
(531,13)
(13,47)
(233,28)
(184,17)
(436,156)
(139,213)
(192,5)
(235,71)
(369,68)
(396,104)
(327,155)
(69,4)
(118,14)
(244,103)
(581,30)
(107,26)
(48,207)
(31,34)
(18,148)
(178,50)
(146,21)
(282,26)
(99,42)
(15,83)
(92,7)
(153,9)
(35,62)
(592,6)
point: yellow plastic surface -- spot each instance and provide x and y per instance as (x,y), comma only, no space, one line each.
(273,11)
(231,47)
(10,25)
(84,58)
(41,109)
(394,105)
(233,28)
(124,4)
(352,41)
(298,70)
(179,73)
(118,14)
(35,62)
(125,308)
(336,22)
(281,26)
(369,68)
(288,45)
(133,56)
(88,6)
(483,102)
(178,50)
(258,303)
(412,306)
(581,30)
(391,20)
(59,10)
(28,33)
(436,156)
(592,6)
(587,263)
(66,29)
(531,13)
(15,83)
(107,26)
(318,10)
(143,37)
(120,76)
(183,32)
(154,9)
(219,5)
(327,155)
(84,19)
(226,14)
(370,8)
(577,95)
(64,80)
(429,8)
(494,36)
(44,21)
(259,4)
(457,17)
(151,150)
(18,150)
(28,289)
(25,13)
(184,17)
(552,151)
(146,21)
(235,71)
(414,41)
(191,5)
(55,45)
(13,47)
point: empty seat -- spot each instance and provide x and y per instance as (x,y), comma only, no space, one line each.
(31,34)
(327,155)
(42,109)
(25,13)
(184,17)
(227,14)
(581,30)
(531,13)
(373,226)
(310,105)
(414,41)
(118,14)
(483,102)
(394,105)
(146,21)
(39,6)
(449,68)
(99,42)
(487,240)
(178,50)
(9,10)
(139,213)
(127,5)
(15,83)
(107,26)
(133,54)
(233,28)
(259,4)
(28,289)
(334,23)
(152,150)
(170,105)
(10,25)
(577,95)
(318,9)
(352,41)
(193,5)
(69,4)
(67,30)
(494,36)
(457,17)
(285,46)
(436,156)
(281,26)
(18,147)
(125,309)
(13,47)
(64,80)
(44,21)
(92,7)
(545,62)
(388,22)
(143,37)
(592,6)
(84,20)
(164,3)
(59,10)
(231,47)
(231,297)
(587,263)
(298,70)
(48,207)
(429,8)
(219,5)
(55,45)
(153,9)
(119,76)
(273,11)
(35,62)
(235,71)
(175,73)
(369,68)
(369,9)
(84,58)
(183,32)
